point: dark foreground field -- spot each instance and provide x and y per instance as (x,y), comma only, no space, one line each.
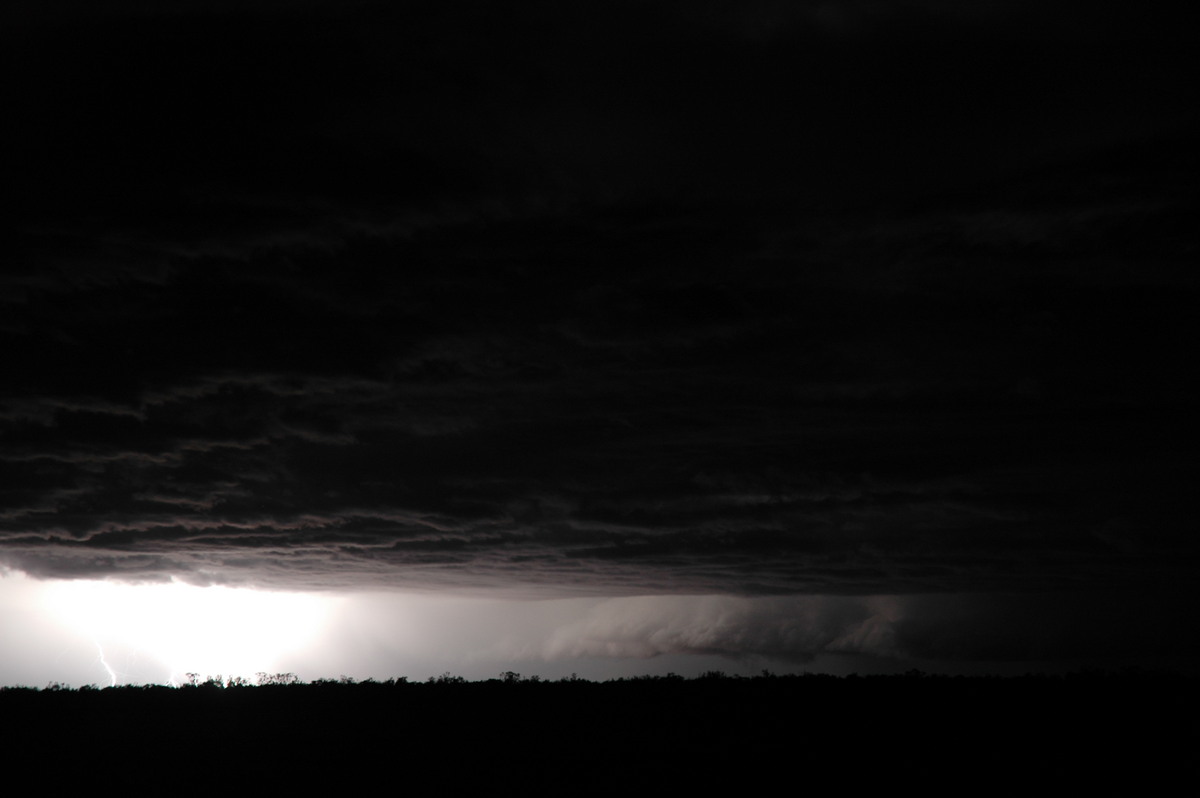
(754,736)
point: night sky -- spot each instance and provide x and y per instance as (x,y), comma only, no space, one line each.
(602,337)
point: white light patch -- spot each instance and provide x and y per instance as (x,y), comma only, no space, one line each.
(188,629)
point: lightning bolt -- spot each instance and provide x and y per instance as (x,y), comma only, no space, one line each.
(112,675)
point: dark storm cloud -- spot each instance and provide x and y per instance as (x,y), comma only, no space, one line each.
(948,628)
(788,629)
(253,118)
(441,294)
(691,429)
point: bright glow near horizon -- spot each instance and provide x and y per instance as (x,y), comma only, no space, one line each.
(183,628)
(103,632)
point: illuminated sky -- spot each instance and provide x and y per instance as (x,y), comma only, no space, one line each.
(388,339)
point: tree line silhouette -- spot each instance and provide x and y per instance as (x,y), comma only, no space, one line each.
(571,735)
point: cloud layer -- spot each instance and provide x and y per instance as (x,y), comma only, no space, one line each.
(755,300)
(764,427)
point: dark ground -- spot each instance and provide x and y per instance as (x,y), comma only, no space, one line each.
(752,736)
